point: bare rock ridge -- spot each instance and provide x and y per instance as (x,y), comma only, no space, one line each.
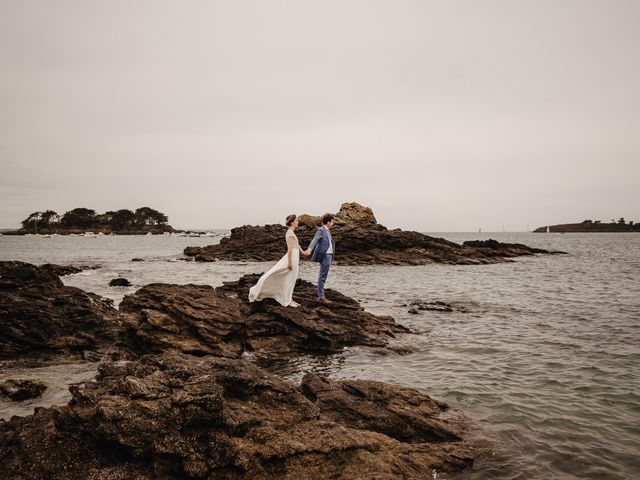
(201,320)
(42,318)
(179,416)
(360,240)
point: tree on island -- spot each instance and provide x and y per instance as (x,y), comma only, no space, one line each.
(41,220)
(122,219)
(146,216)
(79,217)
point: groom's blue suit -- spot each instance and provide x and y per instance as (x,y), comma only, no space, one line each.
(319,245)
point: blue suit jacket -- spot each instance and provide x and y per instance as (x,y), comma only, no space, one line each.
(320,244)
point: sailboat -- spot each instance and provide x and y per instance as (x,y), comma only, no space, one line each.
(548,229)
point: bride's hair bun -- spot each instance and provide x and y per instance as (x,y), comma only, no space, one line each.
(290,219)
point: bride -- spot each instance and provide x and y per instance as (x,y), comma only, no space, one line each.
(278,283)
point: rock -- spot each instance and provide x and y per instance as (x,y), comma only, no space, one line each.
(18,390)
(137,259)
(201,320)
(360,240)
(355,214)
(41,318)
(179,416)
(119,282)
(434,306)
(495,248)
(62,270)
(402,413)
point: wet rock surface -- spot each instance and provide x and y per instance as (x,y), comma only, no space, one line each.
(62,270)
(432,306)
(201,320)
(18,390)
(180,416)
(360,240)
(495,248)
(40,318)
(119,282)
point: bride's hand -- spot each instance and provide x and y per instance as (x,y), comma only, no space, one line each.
(290,267)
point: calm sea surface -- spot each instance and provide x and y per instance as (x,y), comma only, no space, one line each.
(544,359)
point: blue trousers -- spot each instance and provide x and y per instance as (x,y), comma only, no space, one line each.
(325,264)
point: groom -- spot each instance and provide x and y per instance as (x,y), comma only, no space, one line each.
(323,248)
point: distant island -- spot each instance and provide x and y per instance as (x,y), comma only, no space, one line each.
(82,220)
(591,226)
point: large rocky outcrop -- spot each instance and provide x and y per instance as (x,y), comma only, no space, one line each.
(201,320)
(178,416)
(41,318)
(360,240)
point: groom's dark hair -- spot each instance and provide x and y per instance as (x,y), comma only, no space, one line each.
(327,217)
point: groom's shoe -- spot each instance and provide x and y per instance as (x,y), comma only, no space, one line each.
(324,300)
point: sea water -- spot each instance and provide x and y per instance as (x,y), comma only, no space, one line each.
(542,354)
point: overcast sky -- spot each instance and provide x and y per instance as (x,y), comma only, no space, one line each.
(439,115)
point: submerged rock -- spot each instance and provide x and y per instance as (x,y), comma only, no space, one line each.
(433,306)
(201,320)
(19,390)
(179,416)
(360,240)
(119,282)
(41,318)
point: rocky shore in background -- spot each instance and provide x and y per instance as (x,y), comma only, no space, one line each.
(588,226)
(173,398)
(360,240)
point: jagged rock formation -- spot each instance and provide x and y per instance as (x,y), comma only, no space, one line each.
(504,250)
(360,240)
(41,318)
(201,320)
(178,416)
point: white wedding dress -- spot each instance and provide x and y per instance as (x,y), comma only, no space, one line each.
(278,283)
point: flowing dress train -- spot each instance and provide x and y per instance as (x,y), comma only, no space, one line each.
(278,283)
